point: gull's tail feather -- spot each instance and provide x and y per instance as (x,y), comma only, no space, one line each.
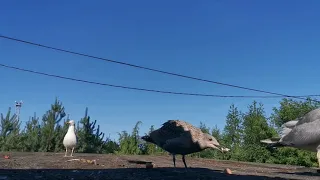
(272,143)
(286,128)
(270,140)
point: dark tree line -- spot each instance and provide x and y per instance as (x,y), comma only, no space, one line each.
(46,134)
(242,134)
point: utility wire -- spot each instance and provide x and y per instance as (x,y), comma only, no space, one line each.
(134,88)
(146,68)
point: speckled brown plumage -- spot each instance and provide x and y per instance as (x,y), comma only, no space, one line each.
(180,137)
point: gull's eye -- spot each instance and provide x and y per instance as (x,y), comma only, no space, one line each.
(210,139)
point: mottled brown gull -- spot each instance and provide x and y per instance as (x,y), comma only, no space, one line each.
(180,137)
(70,139)
(302,133)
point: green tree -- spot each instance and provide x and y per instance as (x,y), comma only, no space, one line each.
(110,146)
(50,126)
(204,128)
(290,109)
(89,136)
(129,143)
(9,124)
(215,132)
(255,127)
(232,129)
(232,133)
(31,138)
(10,132)
(59,133)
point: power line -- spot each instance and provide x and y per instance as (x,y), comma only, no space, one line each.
(146,68)
(134,88)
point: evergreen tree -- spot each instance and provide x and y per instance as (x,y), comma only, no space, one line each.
(89,137)
(59,133)
(9,124)
(31,134)
(232,129)
(50,126)
(255,125)
(110,146)
(215,132)
(204,128)
(290,109)
(255,128)
(129,143)
(10,132)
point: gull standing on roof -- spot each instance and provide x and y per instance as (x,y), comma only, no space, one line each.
(302,133)
(180,137)
(70,139)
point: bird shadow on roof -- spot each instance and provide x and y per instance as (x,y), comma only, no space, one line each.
(127,173)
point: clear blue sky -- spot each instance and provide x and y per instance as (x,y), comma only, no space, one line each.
(270,45)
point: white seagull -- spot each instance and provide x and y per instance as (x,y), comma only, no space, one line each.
(302,133)
(70,139)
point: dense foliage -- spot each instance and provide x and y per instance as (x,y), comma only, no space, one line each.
(242,134)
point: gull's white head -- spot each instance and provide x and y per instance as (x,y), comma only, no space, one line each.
(71,122)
